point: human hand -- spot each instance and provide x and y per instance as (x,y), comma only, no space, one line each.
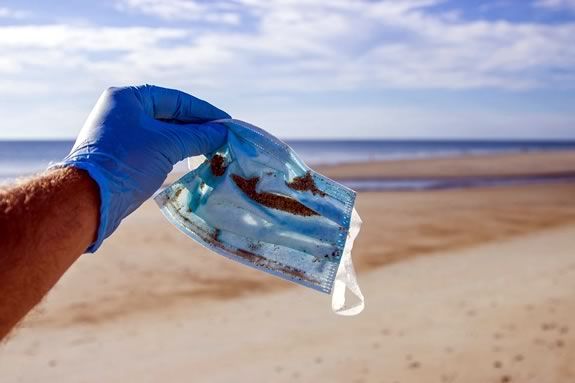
(128,148)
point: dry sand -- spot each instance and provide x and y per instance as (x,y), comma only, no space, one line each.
(470,285)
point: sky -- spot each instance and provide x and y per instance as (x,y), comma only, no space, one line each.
(402,69)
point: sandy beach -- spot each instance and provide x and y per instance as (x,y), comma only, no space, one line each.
(471,285)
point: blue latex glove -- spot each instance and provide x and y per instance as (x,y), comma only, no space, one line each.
(128,147)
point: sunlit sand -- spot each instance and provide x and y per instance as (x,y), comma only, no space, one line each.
(471,285)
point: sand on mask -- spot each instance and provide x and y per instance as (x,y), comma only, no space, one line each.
(271,200)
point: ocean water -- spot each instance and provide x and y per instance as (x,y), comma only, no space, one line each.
(331,152)
(21,158)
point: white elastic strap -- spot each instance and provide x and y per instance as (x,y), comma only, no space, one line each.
(345,277)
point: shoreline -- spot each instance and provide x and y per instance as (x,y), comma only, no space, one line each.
(468,171)
(384,184)
(502,164)
(444,156)
(531,164)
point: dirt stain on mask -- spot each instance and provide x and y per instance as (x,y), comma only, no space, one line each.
(217,164)
(273,265)
(255,259)
(271,200)
(305,183)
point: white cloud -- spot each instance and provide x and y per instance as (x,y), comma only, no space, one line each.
(268,48)
(73,39)
(182,10)
(8,13)
(354,44)
(303,45)
(556,4)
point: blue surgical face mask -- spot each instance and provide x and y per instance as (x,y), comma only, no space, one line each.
(256,202)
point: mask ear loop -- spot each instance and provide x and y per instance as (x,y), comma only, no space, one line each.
(345,277)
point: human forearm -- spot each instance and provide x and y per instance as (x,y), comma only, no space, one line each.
(46,223)
(126,149)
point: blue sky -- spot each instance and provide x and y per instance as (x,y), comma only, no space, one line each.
(300,68)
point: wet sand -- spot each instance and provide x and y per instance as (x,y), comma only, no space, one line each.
(467,285)
(504,164)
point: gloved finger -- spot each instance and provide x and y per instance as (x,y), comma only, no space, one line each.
(188,140)
(172,104)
